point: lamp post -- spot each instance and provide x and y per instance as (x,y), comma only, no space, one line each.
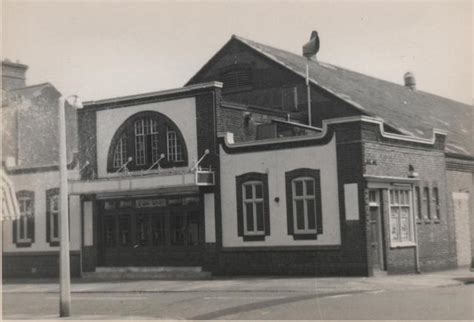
(64,265)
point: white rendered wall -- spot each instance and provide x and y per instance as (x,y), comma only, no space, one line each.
(39,183)
(181,111)
(209,218)
(276,163)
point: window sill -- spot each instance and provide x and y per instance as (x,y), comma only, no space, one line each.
(402,245)
(23,244)
(305,236)
(254,237)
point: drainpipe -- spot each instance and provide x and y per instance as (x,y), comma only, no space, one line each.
(415,232)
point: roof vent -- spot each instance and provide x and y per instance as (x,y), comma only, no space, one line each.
(410,81)
(311,48)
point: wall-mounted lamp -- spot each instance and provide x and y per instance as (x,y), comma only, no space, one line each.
(86,164)
(124,166)
(411,172)
(206,152)
(371,162)
(157,162)
(247,118)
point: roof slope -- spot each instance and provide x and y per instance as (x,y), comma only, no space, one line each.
(412,112)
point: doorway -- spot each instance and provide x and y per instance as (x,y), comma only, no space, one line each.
(159,236)
(376,235)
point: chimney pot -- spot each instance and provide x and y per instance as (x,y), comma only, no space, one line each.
(410,80)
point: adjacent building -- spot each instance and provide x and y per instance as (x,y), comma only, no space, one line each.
(30,158)
(226,174)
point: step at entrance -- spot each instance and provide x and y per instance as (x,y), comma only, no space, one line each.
(148,273)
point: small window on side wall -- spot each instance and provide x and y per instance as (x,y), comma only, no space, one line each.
(436,204)
(24,227)
(253,218)
(303,199)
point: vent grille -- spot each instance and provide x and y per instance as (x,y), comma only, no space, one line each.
(237,78)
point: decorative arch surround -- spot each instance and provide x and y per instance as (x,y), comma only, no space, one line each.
(144,137)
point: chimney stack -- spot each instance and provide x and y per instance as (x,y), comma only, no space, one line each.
(410,81)
(13,75)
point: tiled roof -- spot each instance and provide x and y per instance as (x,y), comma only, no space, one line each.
(412,112)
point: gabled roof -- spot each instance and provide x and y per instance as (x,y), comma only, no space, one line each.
(33,91)
(412,112)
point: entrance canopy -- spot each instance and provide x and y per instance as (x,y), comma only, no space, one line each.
(10,209)
(131,184)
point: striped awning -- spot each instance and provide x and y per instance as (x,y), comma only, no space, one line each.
(10,209)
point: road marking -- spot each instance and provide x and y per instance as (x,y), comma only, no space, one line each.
(339,295)
(241,297)
(376,292)
(106,298)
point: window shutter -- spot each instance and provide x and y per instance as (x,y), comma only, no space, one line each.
(319,209)
(240,219)
(289,203)
(48,217)
(15,223)
(266,204)
(31,228)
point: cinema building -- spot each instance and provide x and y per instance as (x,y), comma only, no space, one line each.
(225,173)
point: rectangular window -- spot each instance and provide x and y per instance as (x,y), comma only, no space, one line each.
(401,225)
(304,205)
(289,98)
(252,199)
(436,203)
(120,153)
(23,227)
(419,214)
(426,201)
(109,230)
(158,228)
(140,148)
(175,152)
(253,217)
(124,230)
(155,150)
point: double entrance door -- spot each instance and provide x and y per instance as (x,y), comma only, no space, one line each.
(157,237)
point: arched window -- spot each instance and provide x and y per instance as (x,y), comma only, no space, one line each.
(143,139)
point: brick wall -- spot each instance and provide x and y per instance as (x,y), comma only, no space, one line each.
(436,239)
(268,80)
(37,265)
(88,142)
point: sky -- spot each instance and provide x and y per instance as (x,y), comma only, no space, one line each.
(104,49)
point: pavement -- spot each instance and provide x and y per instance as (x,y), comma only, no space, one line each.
(314,285)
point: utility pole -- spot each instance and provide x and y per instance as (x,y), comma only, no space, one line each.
(64,264)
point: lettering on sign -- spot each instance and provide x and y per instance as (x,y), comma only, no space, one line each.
(190,200)
(125,203)
(150,203)
(109,205)
(175,202)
